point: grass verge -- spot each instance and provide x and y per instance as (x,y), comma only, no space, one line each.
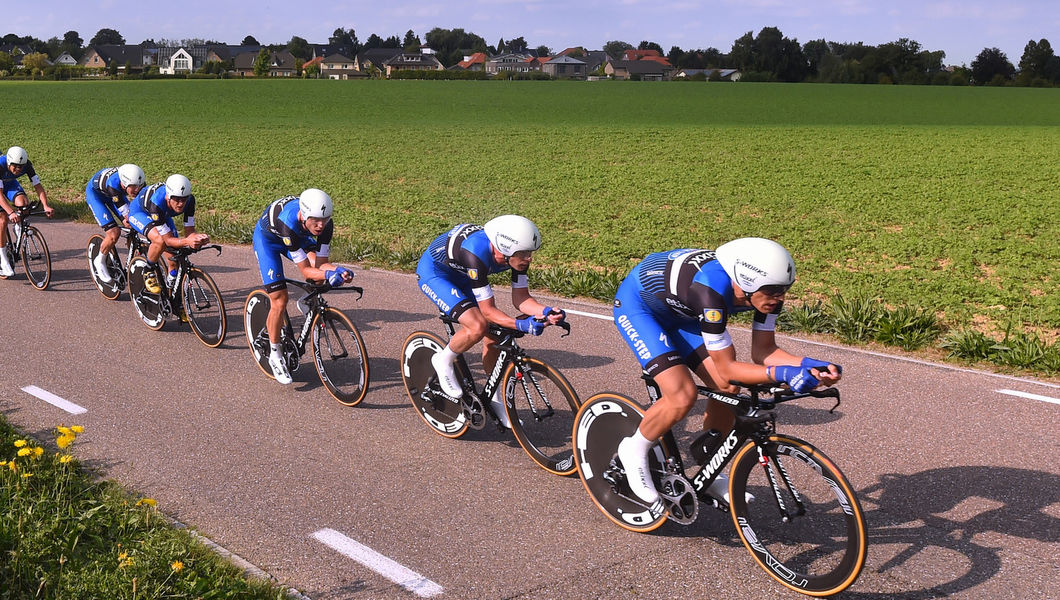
(66,534)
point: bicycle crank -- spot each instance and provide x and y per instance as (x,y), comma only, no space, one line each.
(679,498)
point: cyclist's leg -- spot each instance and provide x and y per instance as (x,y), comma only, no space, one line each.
(454,299)
(154,231)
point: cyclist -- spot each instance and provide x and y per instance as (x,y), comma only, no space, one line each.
(300,228)
(453,274)
(151,214)
(107,195)
(14,164)
(672,310)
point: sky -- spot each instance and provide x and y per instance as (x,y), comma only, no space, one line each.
(961,29)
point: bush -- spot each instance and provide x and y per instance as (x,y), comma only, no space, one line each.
(907,327)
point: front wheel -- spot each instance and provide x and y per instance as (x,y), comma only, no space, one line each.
(152,308)
(602,422)
(541,405)
(444,416)
(340,356)
(204,307)
(808,532)
(36,259)
(113,289)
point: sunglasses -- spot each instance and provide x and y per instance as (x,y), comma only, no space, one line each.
(180,199)
(774,291)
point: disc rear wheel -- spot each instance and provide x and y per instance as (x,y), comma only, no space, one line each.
(443,415)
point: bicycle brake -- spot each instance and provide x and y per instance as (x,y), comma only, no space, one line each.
(679,498)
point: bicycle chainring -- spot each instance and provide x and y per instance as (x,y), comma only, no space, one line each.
(679,498)
(474,412)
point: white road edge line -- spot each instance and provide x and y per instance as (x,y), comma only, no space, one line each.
(54,400)
(1030,396)
(396,572)
(879,354)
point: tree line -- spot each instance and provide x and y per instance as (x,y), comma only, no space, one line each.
(767,56)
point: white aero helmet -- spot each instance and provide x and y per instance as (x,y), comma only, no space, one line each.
(130,174)
(512,233)
(756,262)
(315,203)
(178,185)
(16,155)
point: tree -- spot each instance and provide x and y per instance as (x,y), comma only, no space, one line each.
(447,44)
(392,42)
(1039,62)
(374,41)
(517,45)
(543,50)
(35,63)
(412,42)
(106,36)
(72,44)
(990,66)
(615,48)
(261,63)
(249,41)
(299,47)
(501,46)
(7,63)
(345,40)
(645,45)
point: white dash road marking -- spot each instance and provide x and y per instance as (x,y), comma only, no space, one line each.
(54,400)
(1030,396)
(589,314)
(396,572)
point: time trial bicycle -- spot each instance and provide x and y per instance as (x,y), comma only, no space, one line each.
(135,244)
(339,353)
(192,295)
(27,244)
(538,400)
(802,522)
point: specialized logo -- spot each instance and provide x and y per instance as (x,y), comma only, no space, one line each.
(712,315)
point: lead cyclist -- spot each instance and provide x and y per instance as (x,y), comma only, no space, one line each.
(672,310)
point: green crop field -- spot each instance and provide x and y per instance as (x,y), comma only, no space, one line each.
(943,198)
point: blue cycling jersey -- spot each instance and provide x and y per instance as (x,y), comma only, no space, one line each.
(280,225)
(10,178)
(108,183)
(674,306)
(151,201)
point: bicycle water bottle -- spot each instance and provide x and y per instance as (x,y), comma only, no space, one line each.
(705,445)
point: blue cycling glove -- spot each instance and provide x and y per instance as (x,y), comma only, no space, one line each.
(335,276)
(530,325)
(559,311)
(798,379)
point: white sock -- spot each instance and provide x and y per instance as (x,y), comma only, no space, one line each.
(275,349)
(448,354)
(640,442)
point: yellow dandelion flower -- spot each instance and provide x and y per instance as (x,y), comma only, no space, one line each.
(177,566)
(11,465)
(78,429)
(65,458)
(25,475)
(63,430)
(146,501)
(3,463)
(20,443)
(64,440)
(25,451)
(38,451)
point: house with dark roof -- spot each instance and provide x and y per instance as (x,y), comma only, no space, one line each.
(643,70)
(516,61)
(375,58)
(565,67)
(412,62)
(722,74)
(102,56)
(281,64)
(339,66)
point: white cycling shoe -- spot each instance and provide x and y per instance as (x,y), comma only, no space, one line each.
(719,488)
(638,476)
(447,378)
(5,263)
(500,411)
(100,265)
(279,369)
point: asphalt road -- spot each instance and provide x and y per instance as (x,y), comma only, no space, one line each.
(960,482)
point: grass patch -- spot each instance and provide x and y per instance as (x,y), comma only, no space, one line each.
(64,534)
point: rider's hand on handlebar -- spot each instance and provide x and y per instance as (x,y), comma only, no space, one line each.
(49,212)
(338,276)
(530,325)
(198,240)
(799,379)
(13,216)
(554,316)
(828,373)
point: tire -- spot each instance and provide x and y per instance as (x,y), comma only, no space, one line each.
(204,307)
(111,290)
(340,356)
(151,307)
(36,259)
(602,422)
(818,553)
(443,416)
(546,436)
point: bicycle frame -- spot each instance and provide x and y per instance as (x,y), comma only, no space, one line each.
(18,242)
(317,305)
(509,351)
(755,421)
